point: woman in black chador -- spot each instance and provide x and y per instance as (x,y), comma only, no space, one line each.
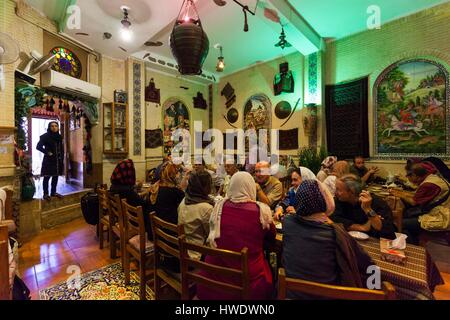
(51,145)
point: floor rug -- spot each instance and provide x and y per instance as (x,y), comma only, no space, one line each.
(107,283)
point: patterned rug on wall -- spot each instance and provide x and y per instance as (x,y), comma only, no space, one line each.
(107,283)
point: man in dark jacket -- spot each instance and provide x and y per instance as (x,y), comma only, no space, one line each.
(51,145)
(357,210)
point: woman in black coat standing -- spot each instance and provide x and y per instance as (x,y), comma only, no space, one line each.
(51,145)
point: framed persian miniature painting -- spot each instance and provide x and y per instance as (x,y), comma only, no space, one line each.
(412,110)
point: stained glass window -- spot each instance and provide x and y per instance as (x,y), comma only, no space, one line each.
(66,62)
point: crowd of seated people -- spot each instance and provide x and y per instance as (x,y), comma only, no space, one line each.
(316,216)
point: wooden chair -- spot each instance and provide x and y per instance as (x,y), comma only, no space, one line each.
(331,292)
(190,268)
(103,212)
(116,229)
(165,239)
(397,208)
(136,245)
(8,207)
(5,292)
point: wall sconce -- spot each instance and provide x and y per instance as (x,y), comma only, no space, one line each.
(220,60)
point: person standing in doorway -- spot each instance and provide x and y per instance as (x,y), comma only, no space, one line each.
(51,145)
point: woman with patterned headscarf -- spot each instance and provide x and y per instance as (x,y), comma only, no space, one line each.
(328,254)
(123,182)
(326,168)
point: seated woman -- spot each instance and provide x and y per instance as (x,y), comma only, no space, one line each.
(195,209)
(339,169)
(329,254)
(238,222)
(123,181)
(358,210)
(438,164)
(432,191)
(326,168)
(165,197)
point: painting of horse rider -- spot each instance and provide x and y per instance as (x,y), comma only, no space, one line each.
(411,109)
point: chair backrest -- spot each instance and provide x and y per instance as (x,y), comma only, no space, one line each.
(5,292)
(133,223)
(190,268)
(331,292)
(8,205)
(103,201)
(165,237)
(115,210)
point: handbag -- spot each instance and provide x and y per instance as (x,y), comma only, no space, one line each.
(20,290)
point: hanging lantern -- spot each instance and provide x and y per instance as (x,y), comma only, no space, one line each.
(188,41)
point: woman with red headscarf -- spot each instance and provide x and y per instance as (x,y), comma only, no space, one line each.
(123,181)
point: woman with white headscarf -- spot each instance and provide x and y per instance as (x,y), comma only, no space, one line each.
(238,222)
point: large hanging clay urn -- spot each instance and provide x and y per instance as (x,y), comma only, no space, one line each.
(190,46)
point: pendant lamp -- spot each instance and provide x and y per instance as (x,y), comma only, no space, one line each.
(188,41)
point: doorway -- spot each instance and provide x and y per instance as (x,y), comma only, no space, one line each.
(72,180)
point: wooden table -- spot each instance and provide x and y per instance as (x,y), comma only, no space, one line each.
(395,203)
(415,280)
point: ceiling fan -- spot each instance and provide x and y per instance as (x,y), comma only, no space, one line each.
(9,53)
(283,43)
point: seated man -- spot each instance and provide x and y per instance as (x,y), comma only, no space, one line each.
(359,169)
(269,189)
(357,210)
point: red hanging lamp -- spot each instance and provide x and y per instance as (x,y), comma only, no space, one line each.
(188,41)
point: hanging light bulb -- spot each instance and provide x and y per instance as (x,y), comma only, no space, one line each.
(125,32)
(220,62)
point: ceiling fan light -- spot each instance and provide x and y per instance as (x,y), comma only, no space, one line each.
(188,41)
(126,34)
(126,23)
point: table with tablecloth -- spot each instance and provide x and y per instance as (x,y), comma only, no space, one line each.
(414,280)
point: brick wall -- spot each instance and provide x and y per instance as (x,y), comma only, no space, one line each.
(424,34)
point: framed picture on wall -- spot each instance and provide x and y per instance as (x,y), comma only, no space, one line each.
(412,110)
(175,116)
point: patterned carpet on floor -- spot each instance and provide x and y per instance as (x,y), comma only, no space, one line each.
(107,283)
